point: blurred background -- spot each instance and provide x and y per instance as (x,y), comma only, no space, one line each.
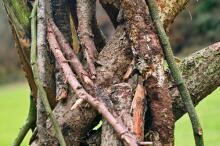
(196,27)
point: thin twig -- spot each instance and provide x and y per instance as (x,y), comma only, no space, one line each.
(29,124)
(121,130)
(40,85)
(176,73)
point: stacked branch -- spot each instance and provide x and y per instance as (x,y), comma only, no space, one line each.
(123,133)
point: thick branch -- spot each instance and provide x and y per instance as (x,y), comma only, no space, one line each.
(201,72)
(45,61)
(60,12)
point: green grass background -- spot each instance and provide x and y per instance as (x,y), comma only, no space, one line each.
(14,102)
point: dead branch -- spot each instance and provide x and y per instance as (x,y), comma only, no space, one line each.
(70,55)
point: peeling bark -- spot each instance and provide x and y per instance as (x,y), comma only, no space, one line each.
(149,61)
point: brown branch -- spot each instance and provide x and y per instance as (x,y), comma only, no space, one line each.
(123,133)
(86,13)
(70,55)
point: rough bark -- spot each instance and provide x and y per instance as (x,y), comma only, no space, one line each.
(86,12)
(149,58)
(96,101)
(201,73)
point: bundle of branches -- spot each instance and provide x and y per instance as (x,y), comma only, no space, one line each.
(77,79)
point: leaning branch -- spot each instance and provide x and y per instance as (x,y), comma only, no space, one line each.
(125,136)
(31,119)
(41,90)
(176,73)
